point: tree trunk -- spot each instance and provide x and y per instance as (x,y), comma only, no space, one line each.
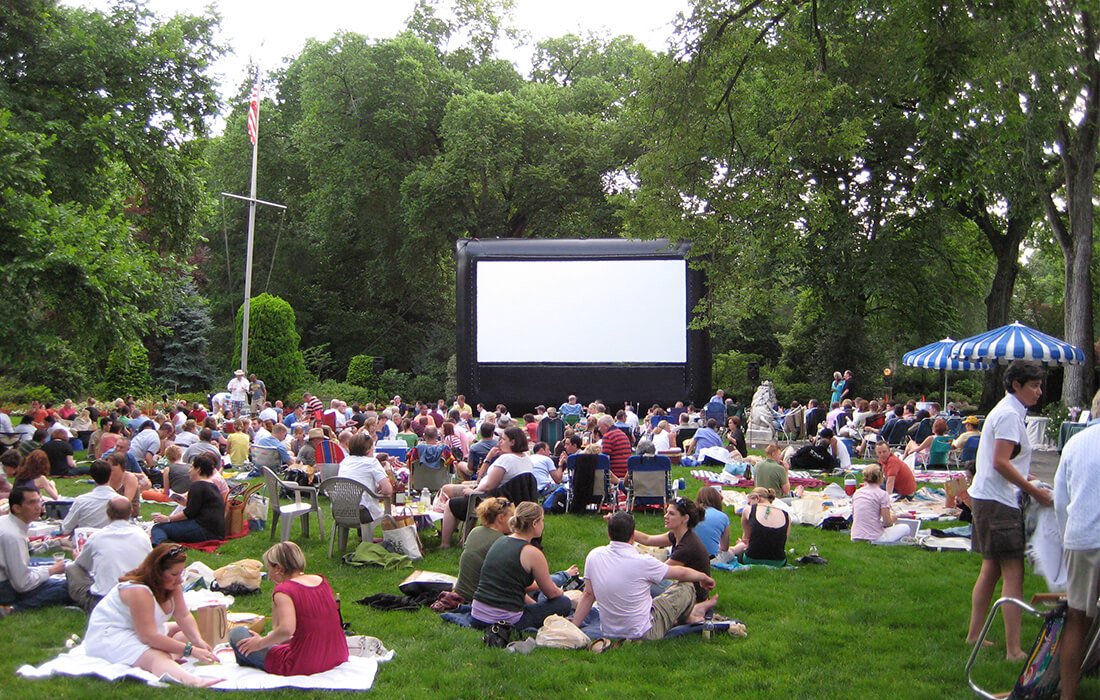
(1078,386)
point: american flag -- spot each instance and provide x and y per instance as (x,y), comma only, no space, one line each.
(254,115)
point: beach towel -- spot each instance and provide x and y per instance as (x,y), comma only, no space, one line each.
(212,545)
(357,673)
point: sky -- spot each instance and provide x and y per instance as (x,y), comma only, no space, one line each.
(268,31)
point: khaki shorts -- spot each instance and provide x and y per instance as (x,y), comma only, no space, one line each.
(998,530)
(1083,581)
(669,608)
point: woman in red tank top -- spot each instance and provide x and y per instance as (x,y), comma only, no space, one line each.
(306,635)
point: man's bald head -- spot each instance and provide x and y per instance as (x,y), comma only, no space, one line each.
(118,508)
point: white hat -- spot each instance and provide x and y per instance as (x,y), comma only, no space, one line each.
(239,373)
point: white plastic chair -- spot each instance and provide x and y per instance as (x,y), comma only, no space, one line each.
(289,511)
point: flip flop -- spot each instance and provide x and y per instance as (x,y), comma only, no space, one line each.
(599,646)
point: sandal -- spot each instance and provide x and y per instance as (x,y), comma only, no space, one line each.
(599,646)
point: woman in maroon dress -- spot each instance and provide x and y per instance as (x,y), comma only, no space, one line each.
(306,636)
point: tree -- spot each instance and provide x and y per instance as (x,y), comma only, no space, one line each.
(128,370)
(100,125)
(183,362)
(273,353)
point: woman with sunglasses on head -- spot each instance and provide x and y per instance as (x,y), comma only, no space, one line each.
(514,567)
(306,636)
(493,515)
(130,625)
(764,530)
(681,517)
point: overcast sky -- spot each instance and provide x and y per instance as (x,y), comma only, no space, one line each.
(269,30)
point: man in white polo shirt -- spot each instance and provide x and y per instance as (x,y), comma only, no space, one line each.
(1002,466)
(1077,502)
(619,578)
(112,551)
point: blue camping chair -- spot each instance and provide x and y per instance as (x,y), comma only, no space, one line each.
(649,481)
(717,411)
(969,452)
(954,427)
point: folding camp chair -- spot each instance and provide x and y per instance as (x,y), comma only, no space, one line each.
(265,457)
(937,453)
(425,476)
(587,468)
(968,453)
(518,490)
(899,434)
(923,430)
(954,427)
(649,481)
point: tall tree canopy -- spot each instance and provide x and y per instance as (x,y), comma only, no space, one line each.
(99,186)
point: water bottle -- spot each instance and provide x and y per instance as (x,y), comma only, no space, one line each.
(708,626)
(425,501)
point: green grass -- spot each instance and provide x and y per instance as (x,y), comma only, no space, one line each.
(873,623)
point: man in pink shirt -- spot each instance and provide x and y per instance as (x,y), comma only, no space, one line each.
(619,578)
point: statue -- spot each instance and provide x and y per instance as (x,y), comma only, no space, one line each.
(762,413)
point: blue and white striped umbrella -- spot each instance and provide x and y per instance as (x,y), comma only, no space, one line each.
(1017,342)
(937,355)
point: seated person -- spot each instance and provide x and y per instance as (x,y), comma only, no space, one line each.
(32,475)
(923,448)
(736,436)
(771,472)
(619,578)
(203,518)
(815,416)
(704,437)
(11,460)
(306,635)
(512,567)
(124,482)
(505,462)
(817,455)
(130,625)
(431,452)
(681,517)
(899,477)
(970,429)
(60,454)
(764,531)
(361,466)
(276,440)
(177,469)
(90,509)
(872,518)
(117,548)
(714,528)
(662,438)
(493,515)
(22,586)
(548,475)
(837,448)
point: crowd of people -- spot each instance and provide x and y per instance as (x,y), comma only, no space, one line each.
(179,451)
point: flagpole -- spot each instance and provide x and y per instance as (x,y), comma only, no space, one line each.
(251,233)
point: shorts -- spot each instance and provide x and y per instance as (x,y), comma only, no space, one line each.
(998,530)
(1083,581)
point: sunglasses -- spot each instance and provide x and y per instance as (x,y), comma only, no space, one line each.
(681,505)
(174,552)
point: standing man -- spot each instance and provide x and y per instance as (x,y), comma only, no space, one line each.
(258,391)
(1077,502)
(22,586)
(238,392)
(1002,466)
(849,386)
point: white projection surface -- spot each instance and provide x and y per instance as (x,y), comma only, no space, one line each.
(571,311)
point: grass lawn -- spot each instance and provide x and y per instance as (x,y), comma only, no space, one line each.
(873,623)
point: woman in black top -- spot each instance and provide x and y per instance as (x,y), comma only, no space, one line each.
(203,518)
(764,530)
(681,517)
(513,566)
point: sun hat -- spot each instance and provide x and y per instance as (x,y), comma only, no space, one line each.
(971,420)
(316,433)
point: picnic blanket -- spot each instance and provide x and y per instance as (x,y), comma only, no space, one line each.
(797,478)
(814,507)
(591,627)
(357,673)
(212,545)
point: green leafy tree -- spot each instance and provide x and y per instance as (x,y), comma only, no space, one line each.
(361,371)
(273,353)
(128,370)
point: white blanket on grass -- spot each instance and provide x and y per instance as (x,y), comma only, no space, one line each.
(357,673)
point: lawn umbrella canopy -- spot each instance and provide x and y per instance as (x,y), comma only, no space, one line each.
(937,355)
(1017,342)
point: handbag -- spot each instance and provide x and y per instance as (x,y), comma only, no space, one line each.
(213,624)
(235,521)
(400,536)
